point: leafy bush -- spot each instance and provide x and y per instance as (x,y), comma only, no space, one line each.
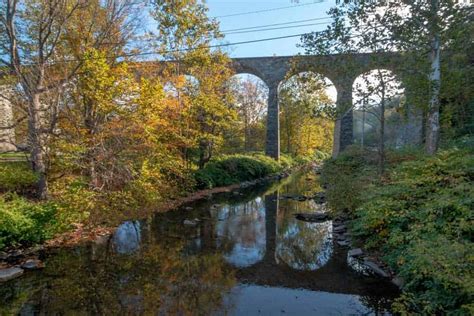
(16,177)
(230,169)
(420,217)
(25,223)
(422,220)
(346,178)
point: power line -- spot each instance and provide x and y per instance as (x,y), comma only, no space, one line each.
(275,24)
(219,45)
(269,10)
(276,28)
(188,49)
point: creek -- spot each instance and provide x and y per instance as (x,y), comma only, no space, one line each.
(239,253)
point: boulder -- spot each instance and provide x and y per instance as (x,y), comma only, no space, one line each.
(344,243)
(32,264)
(191,222)
(375,268)
(398,281)
(339,229)
(312,217)
(188,208)
(10,273)
(357,252)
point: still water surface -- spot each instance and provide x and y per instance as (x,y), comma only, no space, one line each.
(247,255)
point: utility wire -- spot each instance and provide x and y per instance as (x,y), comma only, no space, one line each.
(276,24)
(187,49)
(276,28)
(269,10)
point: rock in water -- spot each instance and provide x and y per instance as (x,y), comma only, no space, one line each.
(10,273)
(319,198)
(375,268)
(312,217)
(344,243)
(339,229)
(32,264)
(191,222)
(357,252)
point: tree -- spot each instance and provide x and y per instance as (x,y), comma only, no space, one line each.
(183,36)
(36,53)
(421,29)
(376,91)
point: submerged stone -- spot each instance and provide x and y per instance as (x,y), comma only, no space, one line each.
(339,229)
(375,268)
(10,273)
(344,243)
(312,217)
(32,264)
(357,252)
(191,222)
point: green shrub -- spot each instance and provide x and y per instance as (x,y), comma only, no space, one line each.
(346,178)
(25,223)
(16,177)
(230,169)
(422,220)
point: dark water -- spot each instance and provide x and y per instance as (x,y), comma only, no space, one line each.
(246,256)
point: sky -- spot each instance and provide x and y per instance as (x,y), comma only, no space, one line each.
(304,10)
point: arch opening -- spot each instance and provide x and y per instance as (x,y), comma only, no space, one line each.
(381,115)
(307,101)
(250,100)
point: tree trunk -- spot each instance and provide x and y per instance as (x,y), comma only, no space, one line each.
(382,128)
(36,143)
(433,127)
(382,138)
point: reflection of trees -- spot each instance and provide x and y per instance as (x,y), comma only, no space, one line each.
(158,279)
(127,237)
(304,246)
(241,232)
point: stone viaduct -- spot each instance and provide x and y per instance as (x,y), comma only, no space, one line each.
(341,69)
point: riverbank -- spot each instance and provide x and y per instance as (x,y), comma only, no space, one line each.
(416,221)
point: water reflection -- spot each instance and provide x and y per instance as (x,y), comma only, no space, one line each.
(304,246)
(260,300)
(127,237)
(241,232)
(245,255)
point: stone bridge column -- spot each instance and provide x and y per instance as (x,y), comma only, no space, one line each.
(272,145)
(343,134)
(7,135)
